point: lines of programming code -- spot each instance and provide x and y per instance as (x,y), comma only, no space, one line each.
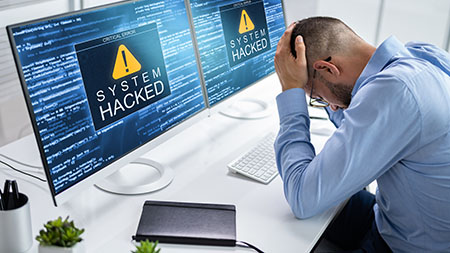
(73,147)
(232,40)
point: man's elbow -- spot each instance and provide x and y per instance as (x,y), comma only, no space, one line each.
(300,206)
(300,210)
(303,205)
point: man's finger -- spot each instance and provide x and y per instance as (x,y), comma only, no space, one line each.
(284,42)
(288,33)
(292,24)
(300,50)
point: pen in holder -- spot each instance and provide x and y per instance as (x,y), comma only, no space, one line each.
(15,220)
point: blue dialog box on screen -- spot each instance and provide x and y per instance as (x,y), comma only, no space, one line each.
(122,73)
(245,30)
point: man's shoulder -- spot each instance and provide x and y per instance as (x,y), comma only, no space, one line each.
(413,72)
(420,77)
(420,84)
(421,49)
(394,76)
(431,53)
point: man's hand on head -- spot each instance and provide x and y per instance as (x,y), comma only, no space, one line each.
(291,71)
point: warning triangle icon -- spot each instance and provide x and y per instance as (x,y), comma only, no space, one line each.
(126,63)
(246,23)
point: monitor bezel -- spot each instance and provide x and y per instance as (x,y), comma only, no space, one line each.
(126,158)
(224,103)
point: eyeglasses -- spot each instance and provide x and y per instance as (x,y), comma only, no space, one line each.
(317,102)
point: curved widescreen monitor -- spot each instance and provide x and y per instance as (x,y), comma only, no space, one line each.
(104,84)
(236,41)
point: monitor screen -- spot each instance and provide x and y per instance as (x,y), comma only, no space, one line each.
(102,82)
(237,41)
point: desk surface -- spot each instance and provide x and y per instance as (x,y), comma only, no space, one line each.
(199,155)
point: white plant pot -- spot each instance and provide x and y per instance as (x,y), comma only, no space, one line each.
(78,248)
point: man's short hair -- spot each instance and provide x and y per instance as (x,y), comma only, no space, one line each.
(323,37)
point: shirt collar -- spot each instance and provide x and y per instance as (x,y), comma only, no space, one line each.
(384,53)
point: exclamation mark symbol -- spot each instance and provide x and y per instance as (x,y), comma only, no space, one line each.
(245,20)
(125,60)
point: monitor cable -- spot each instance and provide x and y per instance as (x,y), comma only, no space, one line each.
(23,164)
(248,245)
(23,172)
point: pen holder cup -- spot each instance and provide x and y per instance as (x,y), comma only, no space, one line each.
(15,227)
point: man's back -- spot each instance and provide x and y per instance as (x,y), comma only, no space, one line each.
(410,89)
(413,194)
(413,200)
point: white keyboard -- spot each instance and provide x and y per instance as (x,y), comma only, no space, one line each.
(259,162)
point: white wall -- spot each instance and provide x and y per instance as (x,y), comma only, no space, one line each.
(360,15)
(92,3)
(427,21)
(298,9)
(409,20)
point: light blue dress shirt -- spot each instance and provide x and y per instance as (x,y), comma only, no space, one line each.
(396,130)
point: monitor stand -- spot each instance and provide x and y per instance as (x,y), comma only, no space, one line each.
(138,177)
(247,108)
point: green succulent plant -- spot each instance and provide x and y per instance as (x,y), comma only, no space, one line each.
(59,232)
(147,247)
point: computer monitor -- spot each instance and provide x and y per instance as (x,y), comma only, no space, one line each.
(104,86)
(236,41)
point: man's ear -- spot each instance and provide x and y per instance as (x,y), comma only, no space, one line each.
(327,68)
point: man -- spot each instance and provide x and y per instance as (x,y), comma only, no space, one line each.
(391,107)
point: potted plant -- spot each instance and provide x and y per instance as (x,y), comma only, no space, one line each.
(147,247)
(60,236)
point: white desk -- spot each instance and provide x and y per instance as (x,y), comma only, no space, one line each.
(199,157)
